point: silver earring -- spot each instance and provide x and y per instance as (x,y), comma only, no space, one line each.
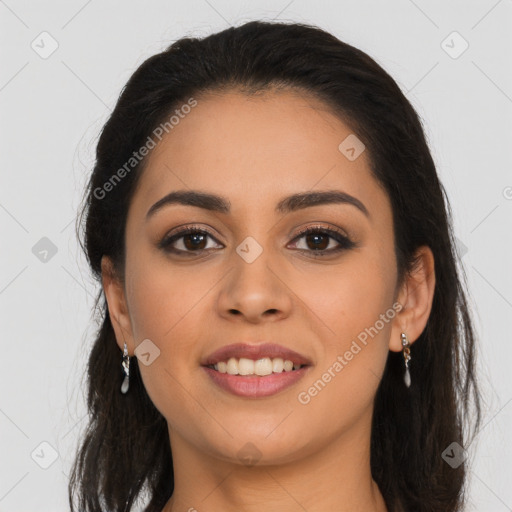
(126,368)
(407,356)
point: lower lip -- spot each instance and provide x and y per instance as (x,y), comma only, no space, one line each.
(256,386)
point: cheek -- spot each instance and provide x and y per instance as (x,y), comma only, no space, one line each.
(167,306)
(342,301)
(352,312)
(163,298)
(164,308)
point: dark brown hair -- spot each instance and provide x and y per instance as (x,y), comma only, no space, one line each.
(125,453)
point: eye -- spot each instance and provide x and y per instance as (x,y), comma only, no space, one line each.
(189,240)
(318,241)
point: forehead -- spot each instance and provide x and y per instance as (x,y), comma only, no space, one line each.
(256,149)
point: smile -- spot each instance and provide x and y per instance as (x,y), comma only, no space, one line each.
(263,366)
(255,378)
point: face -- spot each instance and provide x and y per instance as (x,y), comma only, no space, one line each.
(198,279)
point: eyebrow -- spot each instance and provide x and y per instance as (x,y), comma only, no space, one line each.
(289,204)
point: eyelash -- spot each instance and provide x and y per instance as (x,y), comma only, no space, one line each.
(345,242)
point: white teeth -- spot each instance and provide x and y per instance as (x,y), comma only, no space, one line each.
(232,366)
(261,367)
(245,366)
(277,365)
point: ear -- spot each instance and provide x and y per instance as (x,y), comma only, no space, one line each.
(415,297)
(117,305)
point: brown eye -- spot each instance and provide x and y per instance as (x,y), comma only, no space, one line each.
(187,241)
(194,241)
(319,241)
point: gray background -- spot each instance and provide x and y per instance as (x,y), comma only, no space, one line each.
(53,108)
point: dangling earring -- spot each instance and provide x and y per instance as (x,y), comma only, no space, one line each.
(407,356)
(126,368)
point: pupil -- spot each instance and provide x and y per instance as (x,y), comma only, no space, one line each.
(197,238)
(315,237)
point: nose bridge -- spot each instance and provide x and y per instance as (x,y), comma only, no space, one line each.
(252,262)
(253,286)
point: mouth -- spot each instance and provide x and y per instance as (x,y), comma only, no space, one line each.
(255,351)
(262,367)
(255,371)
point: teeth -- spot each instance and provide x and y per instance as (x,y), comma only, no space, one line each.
(245,366)
(261,367)
(277,365)
(288,366)
(232,366)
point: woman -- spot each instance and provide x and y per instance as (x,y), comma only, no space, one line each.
(274,246)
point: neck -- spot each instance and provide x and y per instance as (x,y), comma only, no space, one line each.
(338,477)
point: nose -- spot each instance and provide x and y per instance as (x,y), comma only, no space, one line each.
(255,292)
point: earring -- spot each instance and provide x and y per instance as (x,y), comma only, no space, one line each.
(407,356)
(126,368)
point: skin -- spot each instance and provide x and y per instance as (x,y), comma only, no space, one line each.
(254,151)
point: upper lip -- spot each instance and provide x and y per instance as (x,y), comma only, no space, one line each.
(255,351)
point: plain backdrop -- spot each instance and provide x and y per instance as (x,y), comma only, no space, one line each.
(63,65)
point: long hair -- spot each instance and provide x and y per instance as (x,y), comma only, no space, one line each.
(125,453)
